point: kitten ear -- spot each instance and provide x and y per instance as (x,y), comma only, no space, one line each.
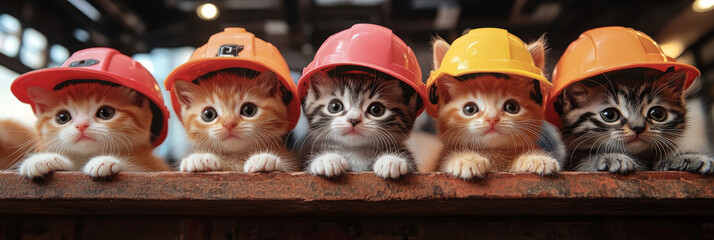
(673,80)
(185,91)
(538,50)
(411,96)
(447,86)
(318,81)
(268,82)
(140,100)
(575,94)
(42,98)
(439,47)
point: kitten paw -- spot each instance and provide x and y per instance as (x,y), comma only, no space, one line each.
(200,162)
(103,166)
(329,165)
(390,166)
(690,162)
(40,164)
(262,162)
(612,162)
(540,164)
(467,166)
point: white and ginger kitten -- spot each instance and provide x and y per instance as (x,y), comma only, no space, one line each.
(97,127)
(490,122)
(237,121)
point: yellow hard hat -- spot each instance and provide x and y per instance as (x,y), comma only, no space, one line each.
(484,50)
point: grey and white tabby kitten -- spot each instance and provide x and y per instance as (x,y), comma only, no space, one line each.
(629,120)
(359,120)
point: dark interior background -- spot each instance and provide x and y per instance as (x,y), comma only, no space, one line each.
(153,29)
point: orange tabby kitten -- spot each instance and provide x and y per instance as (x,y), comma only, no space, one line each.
(15,141)
(237,122)
(491,122)
(100,128)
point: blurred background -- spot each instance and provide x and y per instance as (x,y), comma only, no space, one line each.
(162,34)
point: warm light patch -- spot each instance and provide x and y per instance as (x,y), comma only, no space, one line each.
(703,5)
(672,48)
(207,11)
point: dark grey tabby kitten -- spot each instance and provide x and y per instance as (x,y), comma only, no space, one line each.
(359,120)
(628,120)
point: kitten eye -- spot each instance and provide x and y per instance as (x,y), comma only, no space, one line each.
(470,109)
(209,114)
(376,109)
(63,117)
(657,113)
(335,106)
(610,115)
(105,112)
(511,107)
(248,109)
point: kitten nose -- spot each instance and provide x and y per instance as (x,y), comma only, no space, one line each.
(638,129)
(493,121)
(82,126)
(354,121)
(231,125)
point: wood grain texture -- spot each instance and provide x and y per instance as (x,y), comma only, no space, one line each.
(359,194)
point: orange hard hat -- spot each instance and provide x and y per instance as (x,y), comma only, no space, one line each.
(371,46)
(607,49)
(104,64)
(235,47)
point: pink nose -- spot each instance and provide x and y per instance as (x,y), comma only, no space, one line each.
(230,126)
(82,127)
(493,121)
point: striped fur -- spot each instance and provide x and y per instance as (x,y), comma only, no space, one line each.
(635,141)
(376,136)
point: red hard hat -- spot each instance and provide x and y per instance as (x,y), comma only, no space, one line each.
(371,46)
(250,52)
(103,64)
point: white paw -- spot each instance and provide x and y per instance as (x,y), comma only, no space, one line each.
(467,166)
(329,165)
(103,166)
(39,164)
(542,165)
(390,166)
(200,162)
(262,162)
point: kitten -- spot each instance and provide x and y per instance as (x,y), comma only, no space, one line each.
(491,121)
(237,121)
(359,121)
(15,141)
(100,128)
(628,120)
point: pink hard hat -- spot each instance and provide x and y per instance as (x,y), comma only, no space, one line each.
(370,46)
(104,64)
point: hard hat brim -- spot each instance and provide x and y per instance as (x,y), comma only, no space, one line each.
(51,77)
(433,109)
(194,68)
(304,82)
(552,116)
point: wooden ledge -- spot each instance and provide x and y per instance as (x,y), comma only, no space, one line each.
(229,193)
